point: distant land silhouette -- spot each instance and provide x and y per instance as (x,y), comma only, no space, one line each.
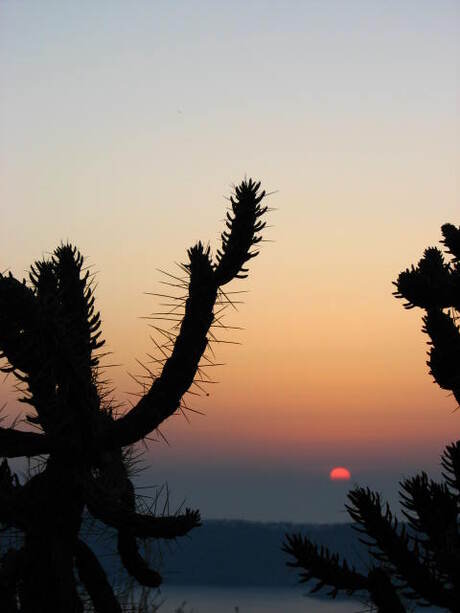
(236,553)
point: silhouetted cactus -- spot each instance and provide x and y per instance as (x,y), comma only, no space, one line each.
(420,559)
(49,337)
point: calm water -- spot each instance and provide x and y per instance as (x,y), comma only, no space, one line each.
(250,600)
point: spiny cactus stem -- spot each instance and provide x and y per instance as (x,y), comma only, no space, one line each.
(16,443)
(93,577)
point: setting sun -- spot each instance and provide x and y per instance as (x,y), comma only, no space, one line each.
(339,473)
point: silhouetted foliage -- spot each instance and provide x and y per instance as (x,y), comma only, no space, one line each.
(419,559)
(50,338)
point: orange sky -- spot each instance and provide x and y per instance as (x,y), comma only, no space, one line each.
(124,134)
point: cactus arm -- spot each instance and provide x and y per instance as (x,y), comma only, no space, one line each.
(49,333)
(140,524)
(18,322)
(79,321)
(434,285)
(390,545)
(444,354)
(11,565)
(16,443)
(93,577)
(25,330)
(134,563)
(318,563)
(451,240)
(383,593)
(120,514)
(431,509)
(164,527)
(241,235)
(429,285)
(450,462)
(115,488)
(115,507)
(164,397)
(12,511)
(127,545)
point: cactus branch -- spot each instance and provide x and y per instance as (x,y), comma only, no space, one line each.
(93,577)
(180,368)
(390,544)
(318,563)
(242,230)
(205,279)
(134,563)
(16,443)
(140,524)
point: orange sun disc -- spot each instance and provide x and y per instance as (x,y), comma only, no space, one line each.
(339,473)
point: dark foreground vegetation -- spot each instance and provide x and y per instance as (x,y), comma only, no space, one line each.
(50,341)
(419,561)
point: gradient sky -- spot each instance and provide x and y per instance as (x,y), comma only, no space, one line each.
(122,127)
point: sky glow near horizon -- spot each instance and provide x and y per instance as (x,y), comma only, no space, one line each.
(123,126)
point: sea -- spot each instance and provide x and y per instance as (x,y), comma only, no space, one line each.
(197,599)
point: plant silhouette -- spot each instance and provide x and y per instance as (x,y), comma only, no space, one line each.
(50,339)
(418,559)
